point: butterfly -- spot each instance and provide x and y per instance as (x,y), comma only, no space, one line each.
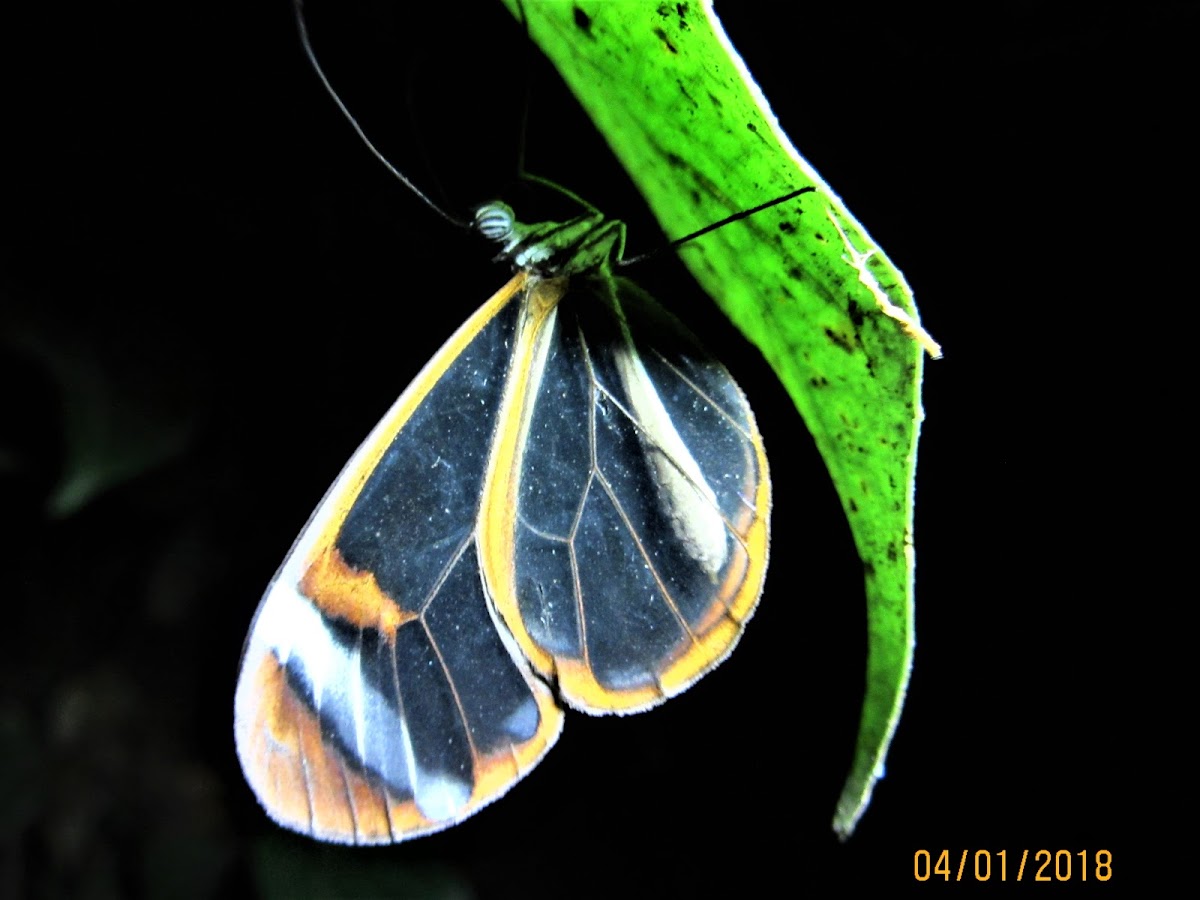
(568,506)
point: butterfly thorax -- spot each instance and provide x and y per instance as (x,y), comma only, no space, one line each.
(584,244)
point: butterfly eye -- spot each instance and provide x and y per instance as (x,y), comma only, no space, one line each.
(495,221)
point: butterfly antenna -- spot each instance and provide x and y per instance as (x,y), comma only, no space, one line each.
(312,59)
(721,223)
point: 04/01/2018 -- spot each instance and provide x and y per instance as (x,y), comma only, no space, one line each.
(987,865)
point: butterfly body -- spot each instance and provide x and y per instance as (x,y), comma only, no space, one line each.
(568,506)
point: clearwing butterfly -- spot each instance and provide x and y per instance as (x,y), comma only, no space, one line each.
(569,505)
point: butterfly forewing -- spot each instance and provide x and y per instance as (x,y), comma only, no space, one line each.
(378,699)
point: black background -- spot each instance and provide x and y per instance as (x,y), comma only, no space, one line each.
(207,280)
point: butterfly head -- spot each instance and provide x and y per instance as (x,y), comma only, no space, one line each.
(583,244)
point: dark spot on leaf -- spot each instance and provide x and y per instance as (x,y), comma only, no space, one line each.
(787,227)
(839,340)
(681,9)
(819,381)
(855,312)
(892,555)
(796,273)
(662,36)
(583,21)
(868,568)
(683,91)
(675,161)
(750,125)
(851,505)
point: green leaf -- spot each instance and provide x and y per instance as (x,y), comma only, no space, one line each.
(116,425)
(802,280)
